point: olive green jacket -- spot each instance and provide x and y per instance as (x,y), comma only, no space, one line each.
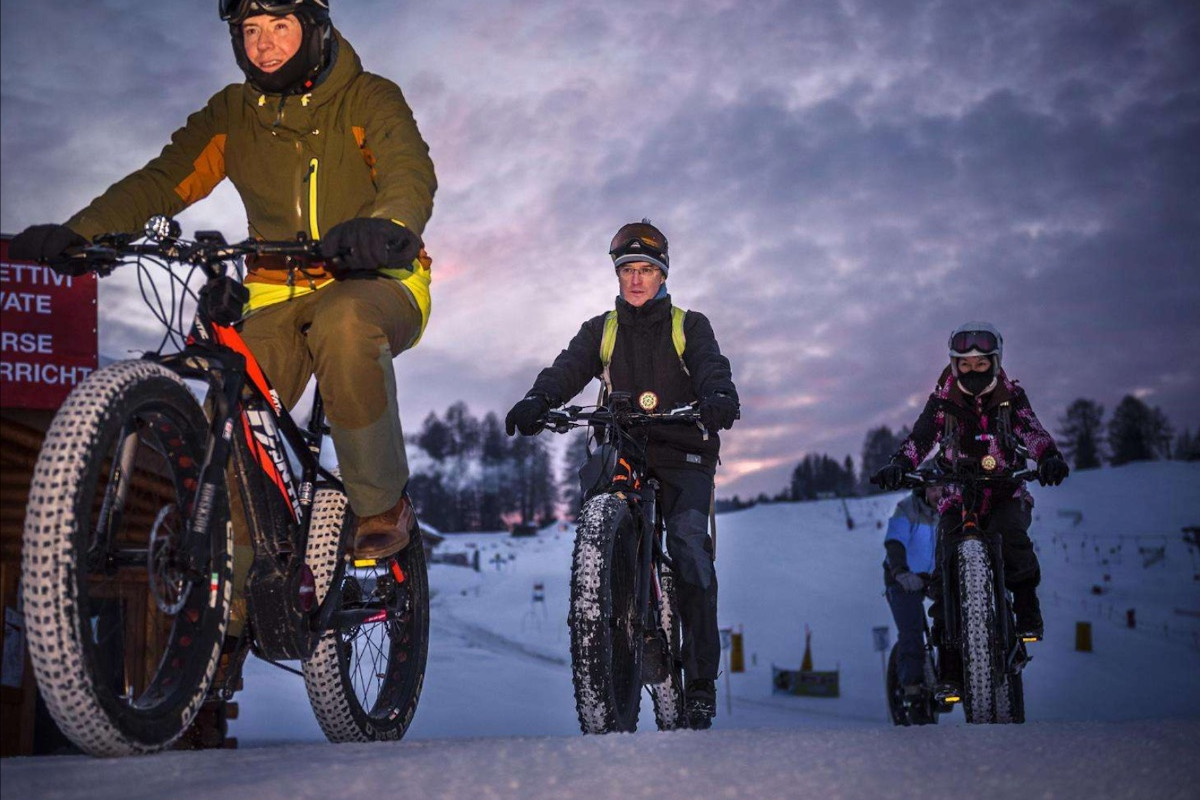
(349,148)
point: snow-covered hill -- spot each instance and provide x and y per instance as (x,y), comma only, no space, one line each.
(498,660)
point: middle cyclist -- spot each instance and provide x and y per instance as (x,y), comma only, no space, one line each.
(649,346)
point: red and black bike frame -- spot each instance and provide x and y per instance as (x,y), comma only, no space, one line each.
(249,426)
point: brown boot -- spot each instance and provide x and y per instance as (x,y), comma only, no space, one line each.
(381,535)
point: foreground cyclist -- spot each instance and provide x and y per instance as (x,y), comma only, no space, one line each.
(313,144)
(646,357)
(977,412)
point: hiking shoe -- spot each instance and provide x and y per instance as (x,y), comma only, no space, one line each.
(382,535)
(1029,615)
(700,703)
(949,684)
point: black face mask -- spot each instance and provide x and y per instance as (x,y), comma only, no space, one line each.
(283,80)
(300,72)
(975,382)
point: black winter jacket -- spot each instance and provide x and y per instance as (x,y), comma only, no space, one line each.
(644,359)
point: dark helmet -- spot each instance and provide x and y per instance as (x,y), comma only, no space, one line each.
(300,73)
(976,339)
(640,241)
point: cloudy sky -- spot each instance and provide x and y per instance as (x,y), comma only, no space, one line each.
(842,183)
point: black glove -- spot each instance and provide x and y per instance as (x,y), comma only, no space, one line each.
(909,581)
(527,415)
(889,477)
(362,245)
(1052,470)
(49,244)
(718,411)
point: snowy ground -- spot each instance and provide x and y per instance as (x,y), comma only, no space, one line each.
(1042,760)
(1121,721)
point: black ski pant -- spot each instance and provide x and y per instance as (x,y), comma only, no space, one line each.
(686,501)
(1010,518)
(908,610)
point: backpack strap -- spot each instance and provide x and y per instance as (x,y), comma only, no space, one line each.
(1004,425)
(678,338)
(608,341)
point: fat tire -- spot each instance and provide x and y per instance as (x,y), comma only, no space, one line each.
(607,692)
(109,701)
(977,602)
(667,696)
(346,708)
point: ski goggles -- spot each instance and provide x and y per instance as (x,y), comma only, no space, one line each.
(984,342)
(236,10)
(638,239)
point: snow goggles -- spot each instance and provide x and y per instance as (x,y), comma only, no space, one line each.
(638,238)
(964,342)
(237,10)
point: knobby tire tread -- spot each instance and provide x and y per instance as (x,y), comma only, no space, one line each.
(327,679)
(591,636)
(62,497)
(978,614)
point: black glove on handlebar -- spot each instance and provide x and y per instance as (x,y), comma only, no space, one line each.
(527,416)
(890,476)
(1052,470)
(50,244)
(362,245)
(718,411)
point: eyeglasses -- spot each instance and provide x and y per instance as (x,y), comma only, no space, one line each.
(965,341)
(645,273)
(237,9)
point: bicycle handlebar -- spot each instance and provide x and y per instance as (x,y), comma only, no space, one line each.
(561,420)
(209,248)
(919,478)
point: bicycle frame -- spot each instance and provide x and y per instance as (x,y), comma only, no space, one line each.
(641,493)
(248,420)
(250,429)
(1012,653)
(970,529)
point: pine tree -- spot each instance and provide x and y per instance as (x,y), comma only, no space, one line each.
(1187,447)
(1131,435)
(435,438)
(1081,433)
(878,449)
(576,454)
(1160,433)
(493,457)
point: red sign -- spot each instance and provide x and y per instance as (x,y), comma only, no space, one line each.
(47,333)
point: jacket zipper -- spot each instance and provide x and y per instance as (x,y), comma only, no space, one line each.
(314,230)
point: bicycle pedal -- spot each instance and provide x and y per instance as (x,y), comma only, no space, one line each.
(948,698)
(1031,639)
(363,563)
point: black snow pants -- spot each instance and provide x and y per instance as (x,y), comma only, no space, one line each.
(686,498)
(1011,518)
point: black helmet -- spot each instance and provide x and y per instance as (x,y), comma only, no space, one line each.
(300,73)
(640,241)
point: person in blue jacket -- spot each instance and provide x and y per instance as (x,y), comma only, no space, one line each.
(910,543)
